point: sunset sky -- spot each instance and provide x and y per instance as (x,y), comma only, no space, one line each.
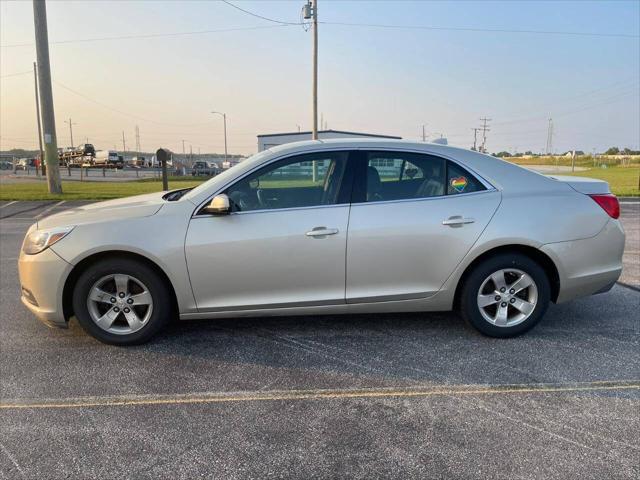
(371,78)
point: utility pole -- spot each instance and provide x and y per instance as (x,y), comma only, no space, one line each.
(124,145)
(46,96)
(183,152)
(314,4)
(475,138)
(35,80)
(485,129)
(71,124)
(311,12)
(424,134)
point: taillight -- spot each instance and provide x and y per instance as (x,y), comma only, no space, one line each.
(609,204)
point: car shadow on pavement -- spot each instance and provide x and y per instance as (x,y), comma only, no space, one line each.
(571,344)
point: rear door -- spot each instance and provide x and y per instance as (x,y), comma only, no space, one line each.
(413,219)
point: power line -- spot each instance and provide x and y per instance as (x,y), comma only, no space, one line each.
(281,22)
(599,103)
(15,74)
(615,86)
(150,35)
(485,30)
(126,113)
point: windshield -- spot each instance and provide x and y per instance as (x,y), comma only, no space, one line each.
(228,174)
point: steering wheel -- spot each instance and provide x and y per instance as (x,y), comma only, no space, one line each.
(243,201)
(265,200)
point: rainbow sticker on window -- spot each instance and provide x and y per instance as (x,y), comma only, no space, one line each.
(459,183)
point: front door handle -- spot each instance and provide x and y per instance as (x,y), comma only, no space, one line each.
(321,232)
(457,221)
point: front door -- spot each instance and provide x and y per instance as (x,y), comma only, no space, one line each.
(284,243)
(413,219)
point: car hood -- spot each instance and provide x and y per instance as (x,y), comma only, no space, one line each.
(129,207)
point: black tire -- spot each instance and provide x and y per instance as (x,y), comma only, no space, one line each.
(470,311)
(162,305)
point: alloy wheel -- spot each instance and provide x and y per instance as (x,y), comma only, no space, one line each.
(120,304)
(507,297)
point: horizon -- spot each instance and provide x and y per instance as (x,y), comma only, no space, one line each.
(405,65)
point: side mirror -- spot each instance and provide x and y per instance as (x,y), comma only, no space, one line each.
(219,205)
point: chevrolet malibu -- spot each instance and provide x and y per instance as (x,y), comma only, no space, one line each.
(329,227)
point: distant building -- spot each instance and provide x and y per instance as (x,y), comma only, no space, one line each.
(274,139)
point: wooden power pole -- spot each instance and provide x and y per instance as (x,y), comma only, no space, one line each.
(46,97)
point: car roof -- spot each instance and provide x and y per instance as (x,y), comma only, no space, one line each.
(503,175)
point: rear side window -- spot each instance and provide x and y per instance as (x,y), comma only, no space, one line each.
(403,175)
(461,181)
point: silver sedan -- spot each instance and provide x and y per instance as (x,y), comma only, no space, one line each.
(329,227)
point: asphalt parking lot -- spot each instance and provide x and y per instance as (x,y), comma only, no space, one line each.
(367,396)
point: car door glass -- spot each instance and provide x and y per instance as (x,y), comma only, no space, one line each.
(401,175)
(460,181)
(301,181)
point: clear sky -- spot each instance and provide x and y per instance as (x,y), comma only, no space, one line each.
(371,79)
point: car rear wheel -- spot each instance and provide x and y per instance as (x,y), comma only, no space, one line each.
(121,301)
(505,295)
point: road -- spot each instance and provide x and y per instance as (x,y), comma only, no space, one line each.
(366,396)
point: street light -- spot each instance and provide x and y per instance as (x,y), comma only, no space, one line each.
(224,117)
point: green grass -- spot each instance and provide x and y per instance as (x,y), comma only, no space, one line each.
(89,190)
(623,181)
(585,161)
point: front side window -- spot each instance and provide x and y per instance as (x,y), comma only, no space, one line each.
(301,181)
(402,175)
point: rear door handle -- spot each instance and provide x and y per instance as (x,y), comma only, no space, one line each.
(321,232)
(457,221)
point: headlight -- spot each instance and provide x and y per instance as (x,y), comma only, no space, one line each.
(39,240)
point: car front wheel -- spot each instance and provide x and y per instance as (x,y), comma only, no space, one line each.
(121,301)
(505,295)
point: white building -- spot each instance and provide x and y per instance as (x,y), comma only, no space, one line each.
(274,139)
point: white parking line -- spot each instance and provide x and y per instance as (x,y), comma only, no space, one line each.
(7,204)
(47,210)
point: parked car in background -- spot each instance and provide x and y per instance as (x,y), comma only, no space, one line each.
(26,163)
(108,158)
(86,149)
(204,168)
(6,165)
(137,162)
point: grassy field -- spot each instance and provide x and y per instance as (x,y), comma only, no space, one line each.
(585,161)
(89,190)
(623,181)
